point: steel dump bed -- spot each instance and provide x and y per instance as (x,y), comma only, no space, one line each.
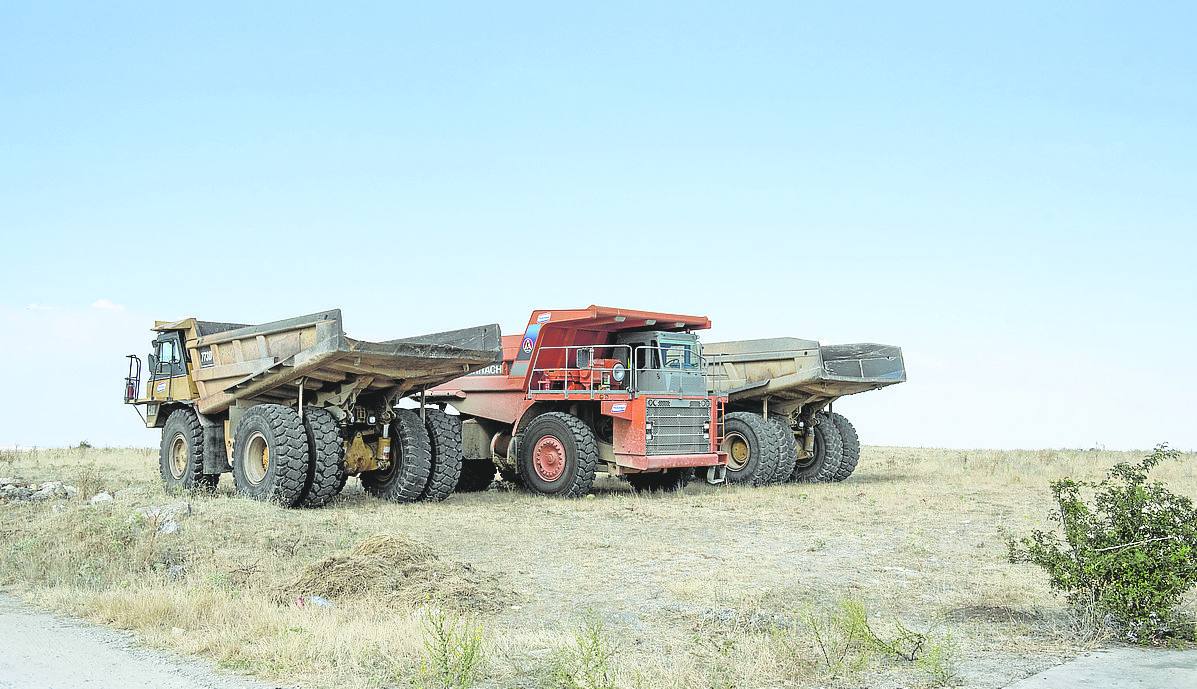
(272,361)
(789,369)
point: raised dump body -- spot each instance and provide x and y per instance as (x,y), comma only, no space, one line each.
(790,372)
(295,406)
(791,383)
(272,361)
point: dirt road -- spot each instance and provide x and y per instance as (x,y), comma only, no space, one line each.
(42,651)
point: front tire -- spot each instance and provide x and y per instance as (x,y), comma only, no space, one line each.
(181,455)
(411,461)
(270,455)
(557,455)
(753,448)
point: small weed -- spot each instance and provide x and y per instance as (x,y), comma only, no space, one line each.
(453,652)
(588,665)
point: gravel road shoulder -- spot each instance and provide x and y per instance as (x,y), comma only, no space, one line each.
(39,650)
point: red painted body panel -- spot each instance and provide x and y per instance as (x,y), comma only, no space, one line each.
(504,396)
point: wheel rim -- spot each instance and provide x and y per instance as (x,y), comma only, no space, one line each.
(178,456)
(548,458)
(737,449)
(255,459)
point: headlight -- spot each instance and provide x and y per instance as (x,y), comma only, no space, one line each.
(617,373)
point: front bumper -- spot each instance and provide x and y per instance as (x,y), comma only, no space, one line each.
(657,462)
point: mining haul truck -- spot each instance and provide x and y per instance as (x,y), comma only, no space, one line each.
(588,389)
(781,426)
(293,408)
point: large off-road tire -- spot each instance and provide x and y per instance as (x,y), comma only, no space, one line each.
(411,461)
(753,447)
(476,475)
(181,455)
(557,455)
(851,443)
(326,450)
(667,481)
(822,466)
(444,432)
(788,456)
(270,455)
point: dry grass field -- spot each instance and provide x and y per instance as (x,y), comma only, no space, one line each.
(713,587)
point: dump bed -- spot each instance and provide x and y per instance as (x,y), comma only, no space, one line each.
(272,361)
(789,369)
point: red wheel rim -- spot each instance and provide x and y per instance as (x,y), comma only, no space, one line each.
(548,458)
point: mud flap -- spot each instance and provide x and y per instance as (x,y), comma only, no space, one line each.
(216,459)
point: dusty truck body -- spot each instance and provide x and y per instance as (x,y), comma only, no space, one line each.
(294,407)
(588,389)
(791,383)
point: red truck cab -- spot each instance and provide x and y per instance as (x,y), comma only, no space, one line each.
(582,390)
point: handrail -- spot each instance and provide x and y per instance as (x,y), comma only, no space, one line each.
(614,374)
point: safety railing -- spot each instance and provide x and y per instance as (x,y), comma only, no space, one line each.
(672,360)
(589,371)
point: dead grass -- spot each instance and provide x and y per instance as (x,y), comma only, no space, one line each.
(708,588)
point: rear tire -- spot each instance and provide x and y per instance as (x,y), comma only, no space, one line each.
(753,448)
(181,455)
(411,461)
(326,475)
(270,455)
(667,481)
(822,466)
(851,443)
(476,475)
(788,456)
(444,433)
(557,455)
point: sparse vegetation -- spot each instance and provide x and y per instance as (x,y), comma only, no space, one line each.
(706,589)
(588,663)
(1128,558)
(454,654)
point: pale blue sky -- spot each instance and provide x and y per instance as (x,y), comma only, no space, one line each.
(1007,192)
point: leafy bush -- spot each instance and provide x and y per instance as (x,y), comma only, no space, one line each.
(1130,556)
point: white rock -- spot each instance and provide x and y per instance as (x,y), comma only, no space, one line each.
(100,497)
(168,527)
(71,491)
(167,512)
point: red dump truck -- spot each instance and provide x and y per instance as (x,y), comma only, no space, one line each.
(583,390)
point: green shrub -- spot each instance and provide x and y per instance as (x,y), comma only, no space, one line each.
(1130,555)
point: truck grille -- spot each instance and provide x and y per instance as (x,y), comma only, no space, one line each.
(676,427)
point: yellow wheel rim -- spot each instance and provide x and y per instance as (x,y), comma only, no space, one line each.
(178,456)
(737,449)
(255,458)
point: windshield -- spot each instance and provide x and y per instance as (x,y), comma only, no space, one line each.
(679,354)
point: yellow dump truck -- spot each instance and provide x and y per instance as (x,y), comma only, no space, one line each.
(294,407)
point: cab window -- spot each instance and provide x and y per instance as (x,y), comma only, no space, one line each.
(678,355)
